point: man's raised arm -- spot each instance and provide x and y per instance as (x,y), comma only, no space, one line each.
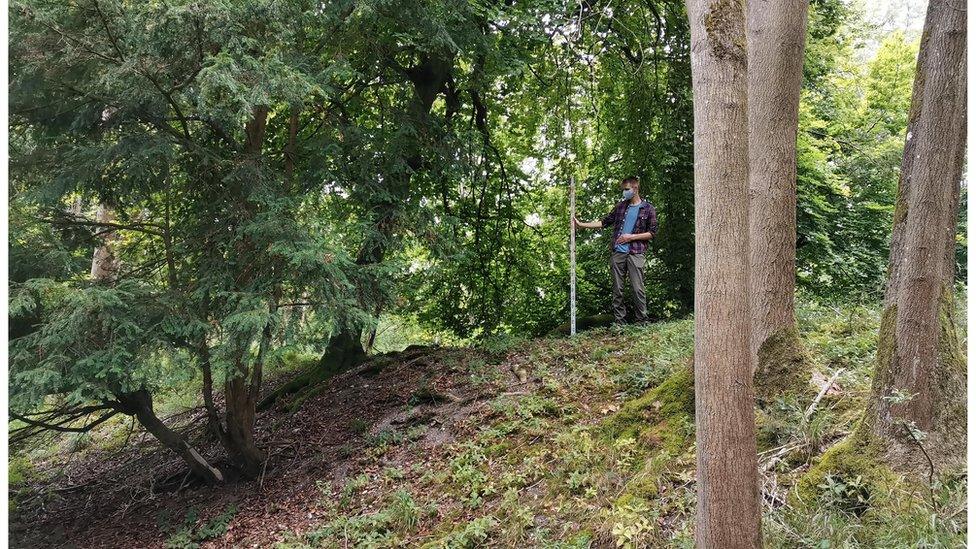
(590,225)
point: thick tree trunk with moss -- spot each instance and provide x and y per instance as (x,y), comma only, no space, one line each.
(775,33)
(728,513)
(917,410)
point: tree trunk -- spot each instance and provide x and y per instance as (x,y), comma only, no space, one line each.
(429,77)
(241,395)
(139,404)
(776,32)
(104,264)
(240,416)
(728,513)
(896,254)
(243,382)
(920,380)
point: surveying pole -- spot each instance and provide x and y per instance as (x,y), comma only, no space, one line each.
(572,256)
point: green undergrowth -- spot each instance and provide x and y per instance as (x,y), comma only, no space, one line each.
(598,450)
(595,448)
(192,531)
(848,498)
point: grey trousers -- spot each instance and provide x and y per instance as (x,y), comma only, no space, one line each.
(633,266)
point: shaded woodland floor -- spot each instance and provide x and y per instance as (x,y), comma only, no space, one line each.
(138,494)
(557,442)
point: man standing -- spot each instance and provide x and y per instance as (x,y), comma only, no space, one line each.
(634,224)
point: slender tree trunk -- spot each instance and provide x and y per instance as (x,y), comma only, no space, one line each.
(291,147)
(728,514)
(139,403)
(776,31)
(243,382)
(213,417)
(920,381)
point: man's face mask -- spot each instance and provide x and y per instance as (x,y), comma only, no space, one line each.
(628,194)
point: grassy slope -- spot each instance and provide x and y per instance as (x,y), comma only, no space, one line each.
(596,448)
(559,442)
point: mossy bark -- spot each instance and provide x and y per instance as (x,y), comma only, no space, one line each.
(917,407)
(856,459)
(944,442)
(429,77)
(783,367)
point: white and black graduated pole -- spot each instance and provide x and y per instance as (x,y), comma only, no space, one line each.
(572,256)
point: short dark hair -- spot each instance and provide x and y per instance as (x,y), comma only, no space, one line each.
(631,179)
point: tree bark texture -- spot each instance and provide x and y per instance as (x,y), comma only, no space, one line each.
(920,381)
(896,254)
(728,514)
(776,32)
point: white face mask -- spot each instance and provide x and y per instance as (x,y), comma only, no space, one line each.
(628,194)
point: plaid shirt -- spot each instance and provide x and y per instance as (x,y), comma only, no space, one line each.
(646,223)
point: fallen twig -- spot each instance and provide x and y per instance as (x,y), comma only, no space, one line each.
(780,452)
(820,395)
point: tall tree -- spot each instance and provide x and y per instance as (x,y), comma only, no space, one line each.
(421,159)
(176,128)
(728,512)
(427,78)
(125,393)
(919,392)
(776,32)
